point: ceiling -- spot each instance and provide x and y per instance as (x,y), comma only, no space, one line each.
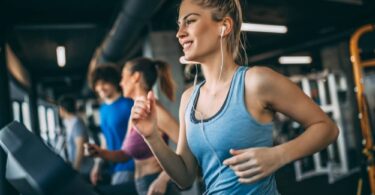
(36,27)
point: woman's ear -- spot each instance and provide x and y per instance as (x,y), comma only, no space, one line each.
(228,24)
(136,76)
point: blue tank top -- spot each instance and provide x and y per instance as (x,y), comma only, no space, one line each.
(232,127)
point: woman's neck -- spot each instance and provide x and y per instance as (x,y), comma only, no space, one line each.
(139,91)
(213,73)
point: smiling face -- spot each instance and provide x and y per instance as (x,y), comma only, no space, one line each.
(126,84)
(198,33)
(105,90)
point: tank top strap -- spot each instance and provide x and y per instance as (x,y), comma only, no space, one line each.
(238,84)
(193,97)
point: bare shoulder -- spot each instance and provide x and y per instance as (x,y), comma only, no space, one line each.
(259,78)
(265,83)
(186,95)
(261,74)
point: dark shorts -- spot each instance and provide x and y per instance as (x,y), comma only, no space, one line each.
(121,177)
(142,184)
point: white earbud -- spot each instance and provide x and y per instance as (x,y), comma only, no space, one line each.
(223,28)
(184,61)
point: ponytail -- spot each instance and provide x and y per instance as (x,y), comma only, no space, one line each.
(166,83)
(151,71)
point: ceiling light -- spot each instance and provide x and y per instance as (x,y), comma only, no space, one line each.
(251,27)
(61,57)
(295,60)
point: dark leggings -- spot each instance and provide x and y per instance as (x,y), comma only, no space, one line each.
(142,184)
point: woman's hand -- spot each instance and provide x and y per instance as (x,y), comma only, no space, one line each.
(158,186)
(93,150)
(253,164)
(144,115)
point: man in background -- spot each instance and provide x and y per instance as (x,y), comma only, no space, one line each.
(76,135)
(114,115)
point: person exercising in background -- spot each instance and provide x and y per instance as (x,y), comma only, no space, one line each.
(76,135)
(226,121)
(114,116)
(138,77)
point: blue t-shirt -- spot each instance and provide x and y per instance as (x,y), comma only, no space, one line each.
(114,119)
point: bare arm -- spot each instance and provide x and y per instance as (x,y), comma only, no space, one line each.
(160,184)
(98,161)
(167,123)
(79,141)
(103,142)
(113,156)
(95,174)
(283,96)
(180,166)
(269,90)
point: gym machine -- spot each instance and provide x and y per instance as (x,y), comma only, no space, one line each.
(364,115)
(324,88)
(33,169)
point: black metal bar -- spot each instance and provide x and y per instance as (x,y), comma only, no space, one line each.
(5,109)
(33,102)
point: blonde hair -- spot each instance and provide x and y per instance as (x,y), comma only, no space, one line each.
(231,8)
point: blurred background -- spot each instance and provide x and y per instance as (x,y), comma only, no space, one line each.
(49,47)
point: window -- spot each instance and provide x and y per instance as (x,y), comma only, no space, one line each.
(16,111)
(51,123)
(43,122)
(26,115)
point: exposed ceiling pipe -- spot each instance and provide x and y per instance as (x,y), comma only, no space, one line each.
(133,17)
(123,37)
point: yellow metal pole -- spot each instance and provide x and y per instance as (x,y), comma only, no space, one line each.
(363,114)
(368,63)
